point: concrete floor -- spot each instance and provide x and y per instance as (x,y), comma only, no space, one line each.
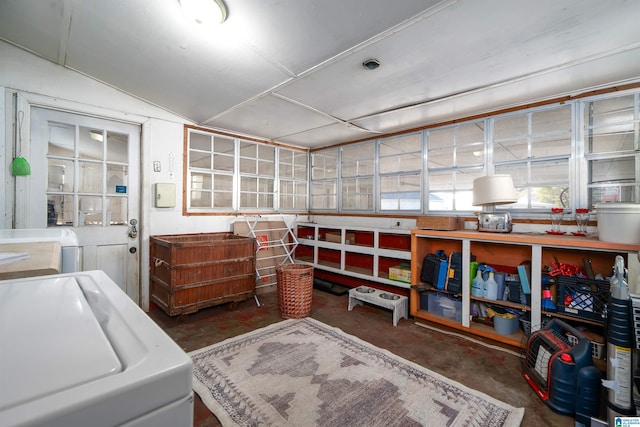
(491,371)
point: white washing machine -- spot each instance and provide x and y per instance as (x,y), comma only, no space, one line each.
(76,351)
(67,238)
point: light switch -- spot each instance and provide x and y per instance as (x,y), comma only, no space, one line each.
(156,166)
(165,195)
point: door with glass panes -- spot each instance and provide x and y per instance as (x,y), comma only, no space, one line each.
(88,171)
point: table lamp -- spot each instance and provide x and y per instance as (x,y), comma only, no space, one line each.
(490,191)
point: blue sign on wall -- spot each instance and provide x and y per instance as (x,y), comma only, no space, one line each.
(121,188)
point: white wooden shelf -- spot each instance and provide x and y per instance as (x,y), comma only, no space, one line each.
(358,252)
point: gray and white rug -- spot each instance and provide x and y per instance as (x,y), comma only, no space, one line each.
(301,372)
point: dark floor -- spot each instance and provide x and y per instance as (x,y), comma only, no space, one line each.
(491,371)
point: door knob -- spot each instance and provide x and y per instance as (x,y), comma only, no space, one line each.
(133,231)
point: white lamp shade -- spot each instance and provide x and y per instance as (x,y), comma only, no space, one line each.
(494,190)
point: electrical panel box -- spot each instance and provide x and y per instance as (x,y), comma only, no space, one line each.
(165,195)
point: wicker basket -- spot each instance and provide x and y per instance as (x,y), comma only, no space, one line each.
(295,290)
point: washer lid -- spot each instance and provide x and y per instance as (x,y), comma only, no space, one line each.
(51,340)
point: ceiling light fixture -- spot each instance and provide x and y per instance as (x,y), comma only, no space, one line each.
(205,11)
(371,64)
(96,135)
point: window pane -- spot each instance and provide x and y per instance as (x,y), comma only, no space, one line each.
(222,200)
(90,212)
(90,177)
(440,159)
(117,147)
(440,138)
(117,210)
(248,184)
(198,159)
(248,166)
(222,145)
(617,170)
(439,181)
(400,192)
(266,152)
(324,164)
(91,144)
(223,183)
(117,179)
(198,141)
(61,140)
(610,139)
(248,149)
(201,181)
(607,111)
(266,168)
(59,210)
(510,127)
(470,155)
(505,151)
(615,193)
(552,145)
(555,120)
(60,175)
(469,133)
(222,162)
(201,199)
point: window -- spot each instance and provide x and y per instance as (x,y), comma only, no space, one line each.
(211,168)
(612,149)
(324,179)
(292,169)
(535,149)
(230,174)
(401,173)
(257,175)
(358,167)
(88,167)
(455,157)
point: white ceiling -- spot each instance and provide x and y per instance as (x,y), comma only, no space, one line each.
(291,70)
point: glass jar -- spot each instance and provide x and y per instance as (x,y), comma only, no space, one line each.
(556,219)
(582,218)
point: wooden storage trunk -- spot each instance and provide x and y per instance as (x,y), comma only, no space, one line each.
(194,271)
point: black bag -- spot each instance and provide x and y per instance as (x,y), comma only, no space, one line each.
(454,279)
(431,267)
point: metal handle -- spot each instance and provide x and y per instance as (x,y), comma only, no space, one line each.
(133,232)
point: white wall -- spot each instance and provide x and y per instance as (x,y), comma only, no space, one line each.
(44,83)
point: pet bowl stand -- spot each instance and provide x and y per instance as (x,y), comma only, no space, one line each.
(398,303)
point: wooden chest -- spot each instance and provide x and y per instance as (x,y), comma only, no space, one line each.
(194,271)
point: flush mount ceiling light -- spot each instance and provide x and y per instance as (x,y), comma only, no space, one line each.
(205,11)
(371,64)
(96,135)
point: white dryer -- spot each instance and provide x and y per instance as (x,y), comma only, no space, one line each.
(76,351)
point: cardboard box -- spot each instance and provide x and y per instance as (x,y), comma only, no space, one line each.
(400,273)
(335,237)
(445,223)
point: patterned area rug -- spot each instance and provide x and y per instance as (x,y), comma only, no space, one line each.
(305,373)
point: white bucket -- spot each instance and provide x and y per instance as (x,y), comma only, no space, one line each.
(619,222)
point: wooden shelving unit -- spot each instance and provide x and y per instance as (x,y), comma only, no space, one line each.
(511,249)
(356,252)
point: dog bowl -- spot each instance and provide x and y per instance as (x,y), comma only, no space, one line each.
(389,296)
(365,290)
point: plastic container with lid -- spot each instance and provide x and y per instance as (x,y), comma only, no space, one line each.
(619,222)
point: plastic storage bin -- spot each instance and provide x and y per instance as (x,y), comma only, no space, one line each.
(443,305)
